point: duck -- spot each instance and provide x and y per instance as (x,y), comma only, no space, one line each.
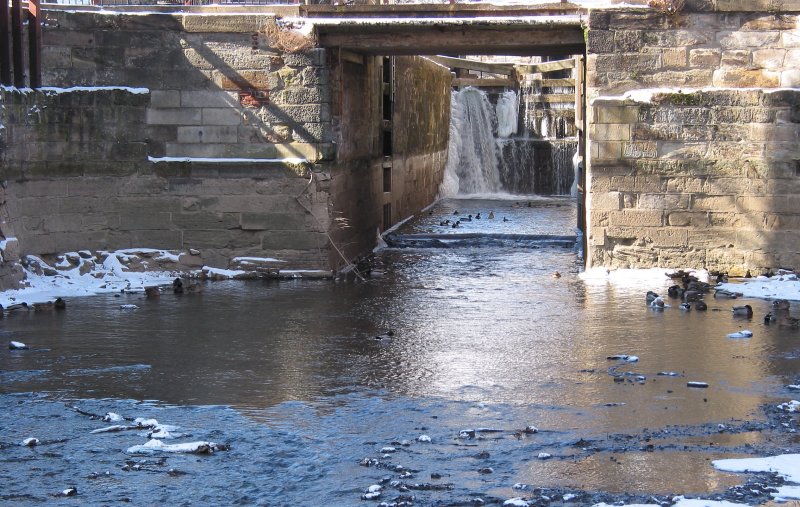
(491,215)
(691,295)
(457,224)
(685,307)
(455,212)
(651,296)
(725,294)
(444,223)
(657,303)
(60,304)
(505,219)
(675,292)
(152,292)
(179,288)
(557,274)
(700,306)
(769,318)
(780,304)
(17,306)
(478,216)
(45,306)
(742,311)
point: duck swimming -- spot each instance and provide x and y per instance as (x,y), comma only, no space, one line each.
(651,296)
(742,311)
(152,292)
(685,307)
(491,215)
(780,304)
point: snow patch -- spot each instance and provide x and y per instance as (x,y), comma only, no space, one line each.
(782,286)
(786,465)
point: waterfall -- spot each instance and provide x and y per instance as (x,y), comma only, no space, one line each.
(489,153)
(472,153)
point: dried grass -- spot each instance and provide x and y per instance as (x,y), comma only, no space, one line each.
(286,40)
(670,7)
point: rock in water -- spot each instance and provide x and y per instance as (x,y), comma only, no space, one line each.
(12,345)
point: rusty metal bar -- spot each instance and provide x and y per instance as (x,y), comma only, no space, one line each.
(16,43)
(5,36)
(34,43)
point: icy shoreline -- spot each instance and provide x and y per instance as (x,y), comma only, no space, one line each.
(85,273)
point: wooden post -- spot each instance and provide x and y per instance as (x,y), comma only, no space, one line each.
(16,40)
(35,43)
(5,36)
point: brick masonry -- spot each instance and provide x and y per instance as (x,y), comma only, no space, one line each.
(694,178)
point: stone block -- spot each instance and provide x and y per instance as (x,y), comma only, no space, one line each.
(688,219)
(242,80)
(640,149)
(736,58)
(735,186)
(775,133)
(309,113)
(790,78)
(223,23)
(649,19)
(208,134)
(714,203)
(221,116)
(663,201)
(610,132)
(628,41)
(207,98)
(299,96)
(273,221)
(310,58)
(205,221)
(607,150)
(748,40)
(686,185)
(152,204)
(771,59)
(790,39)
(293,240)
(637,218)
(705,57)
(718,238)
(616,114)
(161,239)
(630,62)
(599,218)
(742,115)
(165,99)
(144,220)
(673,57)
(606,201)
(770,204)
(175,116)
(760,22)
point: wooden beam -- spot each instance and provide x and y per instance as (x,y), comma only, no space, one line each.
(465,81)
(5,35)
(349,56)
(461,63)
(431,39)
(546,66)
(552,98)
(555,83)
(34,43)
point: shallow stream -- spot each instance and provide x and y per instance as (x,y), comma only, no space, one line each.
(291,375)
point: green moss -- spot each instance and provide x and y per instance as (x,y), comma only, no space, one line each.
(681,99)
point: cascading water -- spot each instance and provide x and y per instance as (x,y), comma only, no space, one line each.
(472,153)
(489,152)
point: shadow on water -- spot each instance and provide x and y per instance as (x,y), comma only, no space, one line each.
(484,336)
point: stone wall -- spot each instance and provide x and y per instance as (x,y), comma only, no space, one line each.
(686,177)
(220,86)
(420,139)
(77,177)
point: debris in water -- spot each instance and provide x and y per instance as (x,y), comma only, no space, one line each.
(155,445)
(128,307)
(669,374)
(623,357)
(701,385)
(744,333)
(30,442)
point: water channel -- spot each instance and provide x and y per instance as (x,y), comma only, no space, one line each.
(291,375)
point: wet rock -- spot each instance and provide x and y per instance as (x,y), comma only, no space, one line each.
(128,307)
(516,502)
(530,430)
(544,455)
(112,417)
(12,345)
(423,438)
(700,385)
(486,470)
(520,486)
(73,491)
(466,434)
(30,442)
(386,450)
(372,492)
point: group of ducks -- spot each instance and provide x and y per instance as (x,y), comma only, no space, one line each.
(468,218)
(692,290)
(46,306)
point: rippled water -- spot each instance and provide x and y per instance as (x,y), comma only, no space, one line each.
(291,375)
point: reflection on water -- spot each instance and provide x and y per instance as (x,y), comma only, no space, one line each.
(482,336)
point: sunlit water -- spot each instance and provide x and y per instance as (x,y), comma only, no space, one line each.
(290,374)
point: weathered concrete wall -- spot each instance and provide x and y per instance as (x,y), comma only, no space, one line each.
(699,179)
(422,116)
(78,178)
